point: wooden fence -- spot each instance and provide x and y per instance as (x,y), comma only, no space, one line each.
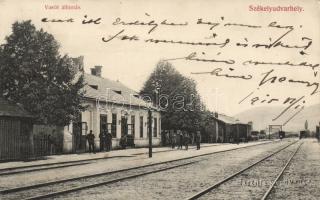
(15,139)
(10,140)
(20,140)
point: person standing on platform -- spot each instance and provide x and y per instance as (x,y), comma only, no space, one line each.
(186,140)
(102,140)
(177,139)
(168,138)
(180,140)
(123,141)
(163,138)
(90,138)
(109,141)
(51,143)
(105,135)
(198,140)
(173,140)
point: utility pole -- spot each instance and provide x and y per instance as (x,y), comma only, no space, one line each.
(150,132)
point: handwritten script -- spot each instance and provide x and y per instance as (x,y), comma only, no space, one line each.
(264,54)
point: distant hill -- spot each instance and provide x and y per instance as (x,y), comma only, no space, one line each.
(262,117)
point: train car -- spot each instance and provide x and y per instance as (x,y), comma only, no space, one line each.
(282,134)
(254,135)
(303,134)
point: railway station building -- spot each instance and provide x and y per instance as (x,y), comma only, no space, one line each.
(110,106)
(114,107)
(225,129)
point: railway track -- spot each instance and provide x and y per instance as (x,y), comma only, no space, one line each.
(48,166)
(57,165)
(167,150)
(211,193)
(80,183)
(59,187)
(268,192)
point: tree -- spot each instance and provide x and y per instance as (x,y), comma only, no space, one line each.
(176,96)
(35,75)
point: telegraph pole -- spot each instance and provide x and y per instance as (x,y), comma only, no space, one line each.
(150,132)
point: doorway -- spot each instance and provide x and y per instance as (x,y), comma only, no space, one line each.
(79,130)
(124,126)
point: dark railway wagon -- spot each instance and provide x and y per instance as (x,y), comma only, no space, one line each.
(303,134)
(240,132)
(282,134)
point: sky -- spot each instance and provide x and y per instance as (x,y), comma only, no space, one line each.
(131,62)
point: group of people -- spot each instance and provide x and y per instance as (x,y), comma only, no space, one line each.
(105,141)
(183,138)
(179,139)
(123,141)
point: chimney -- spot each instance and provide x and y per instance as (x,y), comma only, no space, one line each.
(80,63)
(93,71)
(96,71)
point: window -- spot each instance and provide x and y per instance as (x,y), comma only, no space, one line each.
(133,119)
(141,126)
(155,127)
(124,125)
(114,125)
(117,91)
(94,86)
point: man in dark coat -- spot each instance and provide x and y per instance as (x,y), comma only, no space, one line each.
(102,137)
(123,141)
(173,139)
(109,141)
(186,140)
(51,143)
(90,138)
(180,140)
(198,139)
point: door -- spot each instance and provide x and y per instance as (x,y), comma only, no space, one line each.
(124,126)
(79,137)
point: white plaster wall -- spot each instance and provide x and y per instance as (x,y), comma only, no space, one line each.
(92,117)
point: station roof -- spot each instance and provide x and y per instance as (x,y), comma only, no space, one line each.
(227,119)
(111,91)
(9,109)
